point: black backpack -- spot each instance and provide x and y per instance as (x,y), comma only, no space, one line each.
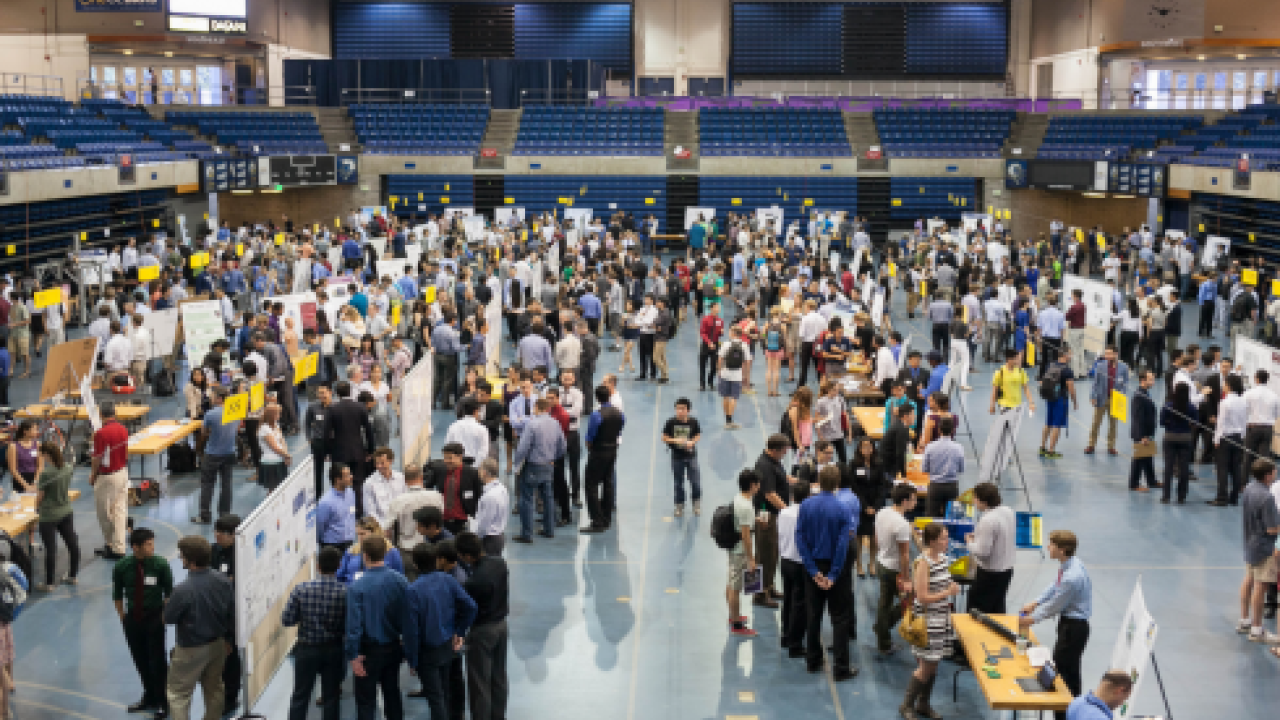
(182,458)
(1051,383)
(736,357)
(1242,307)
(723,530)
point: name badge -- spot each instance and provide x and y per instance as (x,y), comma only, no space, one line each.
(149,581)
(468,494)
(351,510)
(357,576)
(862,471)
(224,567)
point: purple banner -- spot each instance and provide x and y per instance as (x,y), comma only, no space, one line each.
(850,104)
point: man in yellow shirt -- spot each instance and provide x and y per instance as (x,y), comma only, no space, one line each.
(1010,385)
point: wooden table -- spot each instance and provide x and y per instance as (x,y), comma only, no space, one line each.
(871,419)
(18,525)
(1003,693)
(124,413)
(866,394)
(152,441)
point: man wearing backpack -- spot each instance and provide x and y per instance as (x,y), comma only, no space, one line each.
(731,528)
(1057,385)
(733,357)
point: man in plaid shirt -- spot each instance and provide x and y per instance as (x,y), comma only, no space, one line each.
(319,609)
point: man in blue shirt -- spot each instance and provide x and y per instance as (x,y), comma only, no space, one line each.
(6,370)
(541,444)
(318,608)
(407,285)
(591,308)
(352,254)
(1208,299)
(376,610)
(1071,599)
(446,345)
(336,511)
(358,300)
(440,612)
(936,375)
(1113,691)
(218,460)
(823,530)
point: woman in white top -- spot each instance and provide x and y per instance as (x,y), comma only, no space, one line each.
(274,464)
(351,327)
(376,386)
(1155,327)
(1129,325)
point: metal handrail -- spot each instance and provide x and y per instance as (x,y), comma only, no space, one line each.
(577,96)
(469,96)
(24,84)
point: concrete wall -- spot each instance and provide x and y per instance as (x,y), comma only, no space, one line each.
(777,166)
(560,165)
(1060,26)
(1033,209)
(40,64)
(682,38)
(1075,75)
(1192,178)
(41,185)
(309,205)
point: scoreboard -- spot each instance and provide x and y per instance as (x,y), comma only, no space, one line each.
(297,170)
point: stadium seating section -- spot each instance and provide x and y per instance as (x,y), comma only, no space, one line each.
(420,129)
(436,192)
(639,195)
(1108,137)
(927,197)
(943,133)
(43,229)
(805,132)
(553,130)
(256,133)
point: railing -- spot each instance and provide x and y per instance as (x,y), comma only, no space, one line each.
(185,95)
(582,97)
(23,84)
(467,96)
(1175,100)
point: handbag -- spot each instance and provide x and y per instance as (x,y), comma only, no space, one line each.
(913,628)
(1143,450)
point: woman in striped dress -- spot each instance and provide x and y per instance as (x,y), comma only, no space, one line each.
(933,587)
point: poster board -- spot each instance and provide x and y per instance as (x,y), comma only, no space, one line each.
(202,325)
(580,216)
(415,412)
(775,213)
(1214,246)
(998,254)
(293,308)
(933,226)
(393,269)
(691,215)
(969,221)
(1097,297)
(493,316)
(1132,651)
(79,355)
(504,214)
(163,325)
(1002,437)
(453,211)
(275,548)
(1251,356)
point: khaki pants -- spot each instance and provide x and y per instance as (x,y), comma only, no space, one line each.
(111,494)
(913,301)
(660,357)
(138,369)
(1100,412)
(189,665)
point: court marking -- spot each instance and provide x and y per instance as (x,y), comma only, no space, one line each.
(64,691)
(644,561)
(53,708)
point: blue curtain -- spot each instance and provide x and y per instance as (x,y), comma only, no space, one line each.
(453,80)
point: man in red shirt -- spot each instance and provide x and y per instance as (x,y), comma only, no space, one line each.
(109,477)
(709,332)
(1076,313)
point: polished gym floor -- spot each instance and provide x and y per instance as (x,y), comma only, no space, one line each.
(632,623)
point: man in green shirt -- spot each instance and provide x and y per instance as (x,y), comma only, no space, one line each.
(141,583)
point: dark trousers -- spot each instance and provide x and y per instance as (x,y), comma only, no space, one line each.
(838,601)
(1257,440)
(1177,456)
(1140,467)
(766,543)
(1073,636)
(706,366)
(493,544)
(215,470)
(434,663)
(1230,464)
(446,373)
(457,689)
(317,466)
(599,487)
(1206,319)
(145,637)
(586,383)
(287,396)
(989,590)
(939,495)
(1046,354)
(382,670)
(888,609)
(806,355)
(647,368)
(231,677)
(942,338)
(573,459)
(4,390)
(794,611)
(1205,435)
(310,661)
(560,486)
(487,671)
(49,532)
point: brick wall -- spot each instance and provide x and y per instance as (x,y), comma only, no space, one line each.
(1033,209)
(302,205)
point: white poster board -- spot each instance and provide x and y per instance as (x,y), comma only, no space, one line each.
(367,213)
(163,326)
(493,316)
(202,325)
(998,254)
(969,221)
(393,269)
(1214,246)
(504,214)
(902,353)
(1251,356)
(877,309)
(580,216)
(293,309)
(1097,297)
(415,412)
(933,226)
(1002,436)
(691,215)
(275,546)
(1132,652)
(775,213)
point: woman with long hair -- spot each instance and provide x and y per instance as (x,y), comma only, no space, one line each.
(866,473)
(54,507)
(273,465)
(353,561)
(196,393)
(797,423)
(791,321)
(23,457)
(774,340)
(351,327)
(366,355)
(933,589)
(1178,417)
(938,406)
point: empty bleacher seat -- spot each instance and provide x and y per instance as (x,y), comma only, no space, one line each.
(938,132)
(772,131)
(569,130)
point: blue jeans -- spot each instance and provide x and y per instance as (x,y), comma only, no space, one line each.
(535,480)
(680,467)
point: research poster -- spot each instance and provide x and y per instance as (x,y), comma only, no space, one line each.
(163,326)
(692,214)
(1097,299)
(415,412)
(202,325)
(1132,652)
(1251,356)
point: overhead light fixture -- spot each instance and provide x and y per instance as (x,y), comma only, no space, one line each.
(1241,56)
(1124,197)
(128,52)
(241,192)
(168,53)
(273,190)
(1094,195)
(1200,58)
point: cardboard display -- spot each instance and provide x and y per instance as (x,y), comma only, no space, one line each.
(78,356)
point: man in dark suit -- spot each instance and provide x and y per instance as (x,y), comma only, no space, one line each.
(348,434)
(1216,383)
(914,379)
(896,442)
(603,430)
(1142,430)
(458,482)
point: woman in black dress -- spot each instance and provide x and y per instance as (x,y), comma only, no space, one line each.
(866,474)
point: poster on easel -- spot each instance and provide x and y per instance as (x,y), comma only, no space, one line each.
(163,326)
(1002,437)
(1215,247)
(1096,296)
(1133,648)
(67,362)
(415,412)
(202,325)
(691,215)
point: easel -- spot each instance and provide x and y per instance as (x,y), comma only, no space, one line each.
(957,402)
(1006,435)
(1164,697)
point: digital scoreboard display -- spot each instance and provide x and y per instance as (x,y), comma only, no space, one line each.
(220,17)
(297,170)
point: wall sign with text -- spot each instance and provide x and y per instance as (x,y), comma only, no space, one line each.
(119,6)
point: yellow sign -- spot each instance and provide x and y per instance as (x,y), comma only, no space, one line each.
(239,249)
(430,294)
(893,270)
(446,187)
(992,211)
(648,201)
(808,202)
(444,200)
(235,408)
(1252,237)
(1119,406)
(306,367)
(1201,227)
(524,236)
(149,273)
(1079,234)
(964,201)
(257,396)
(155,223)
(1031,354)
(199,260)
(921,189)
(419,197)
(924,288)
(1249,277)
(735,201)
(46,298)
(897,202)
(395,316)
(509,201)
(570,203)
(337,222)
(315,228)
(565,200)
(279,238)
(206,216)
(1275,287)
(11,250)
(84,236)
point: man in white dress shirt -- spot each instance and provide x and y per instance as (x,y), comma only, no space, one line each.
(1262,408)
(118,353)
(469,432)
(811,325)
(493,510)
(141,343)
(403,530)
(383,486)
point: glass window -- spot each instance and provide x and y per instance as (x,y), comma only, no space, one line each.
(1238,81)
(1219,81)
(1182,81)
(1202,81)
(1260,79)
(130,76)
(108,75)
(184,76)
(166,76)
(93,73)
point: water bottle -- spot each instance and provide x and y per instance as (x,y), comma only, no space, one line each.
(1024,641)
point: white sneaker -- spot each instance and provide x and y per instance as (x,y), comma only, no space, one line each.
(1242,627)
(697,507)
(1265,637)
(679,509)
